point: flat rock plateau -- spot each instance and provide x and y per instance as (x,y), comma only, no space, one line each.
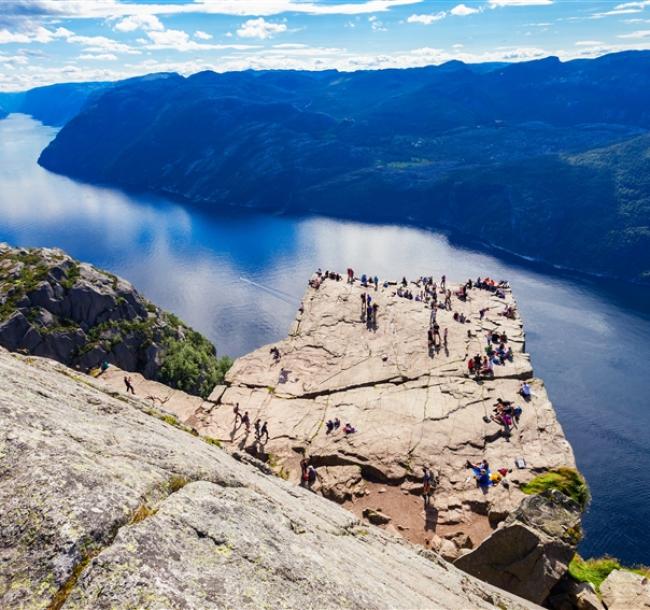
(109,503)
(409,408)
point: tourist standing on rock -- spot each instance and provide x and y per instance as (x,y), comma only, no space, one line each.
(350,275)
(436,334)
(304,475)
(129,385)
(235,410)
(375,307)
(265,432)
(363,305)
(427,479)
(103,368)
(246,420)
(257,425)
(311,475)
(443,283)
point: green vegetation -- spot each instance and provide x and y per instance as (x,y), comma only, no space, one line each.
(32,272)
(566,480)
(71,276)
(595,571)
(144,511)
(192,365)
(212,441)
(176,483)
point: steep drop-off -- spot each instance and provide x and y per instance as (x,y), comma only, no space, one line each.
(54,306)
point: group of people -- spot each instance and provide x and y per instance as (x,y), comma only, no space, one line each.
(331,425)
(506,414)
(369,310)
(484,477)
(261,429)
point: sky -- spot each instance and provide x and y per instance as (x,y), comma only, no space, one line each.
(49,41)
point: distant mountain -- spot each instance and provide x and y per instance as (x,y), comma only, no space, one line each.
(541,158)
(3,113)
(52,105)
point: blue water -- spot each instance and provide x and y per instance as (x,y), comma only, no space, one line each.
(589,341)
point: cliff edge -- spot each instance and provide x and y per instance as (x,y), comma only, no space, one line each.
(105,505)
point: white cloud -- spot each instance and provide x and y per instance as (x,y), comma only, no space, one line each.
(260,28)
(458,46)
(113,9)
(376,25)
(495,3)
(179,40)
(98,57)
(427,19)
(202,35)
(32,33)
(461,10)
(588,43)
(639,34)
(139,22)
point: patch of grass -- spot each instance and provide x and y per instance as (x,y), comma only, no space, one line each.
(566,480)
(170,419)
(144,511)
(176,483)
(595,571)
(212,441)
(66,588)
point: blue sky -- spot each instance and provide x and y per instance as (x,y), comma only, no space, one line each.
(48,41)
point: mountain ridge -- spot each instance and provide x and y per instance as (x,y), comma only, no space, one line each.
(441,141)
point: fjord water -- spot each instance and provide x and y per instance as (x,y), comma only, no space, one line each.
(238,277)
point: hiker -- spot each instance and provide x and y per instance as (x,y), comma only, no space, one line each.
(350,276)
(436,334)
(426,485)
(311,475)
(375,307)
(525,391)
(265,432)
(430,342)
(364,280)
(304,477)
(337,423)
(284,376)
(129,385)
(376,279)
(444,337)
(103,368)
(363,305)
(349,429)
(246,420)
(275,352)
(257,425)
(235,410)
(443,283)
(329,425)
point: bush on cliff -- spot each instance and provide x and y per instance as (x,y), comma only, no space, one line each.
(596,570)
(192,365)
(566,480)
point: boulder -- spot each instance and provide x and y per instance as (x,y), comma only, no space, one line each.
(531,552)
(376,517)
(623,590)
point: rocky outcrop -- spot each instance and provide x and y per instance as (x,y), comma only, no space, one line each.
(624,590)
(530,552)
(56,307)
(409,408)
(103,505)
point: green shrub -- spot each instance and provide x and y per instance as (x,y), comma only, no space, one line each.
(595,571)
(192,365)
(566,480)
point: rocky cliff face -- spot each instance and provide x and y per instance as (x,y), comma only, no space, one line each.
(54,306)
(103,505)
(410,409)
